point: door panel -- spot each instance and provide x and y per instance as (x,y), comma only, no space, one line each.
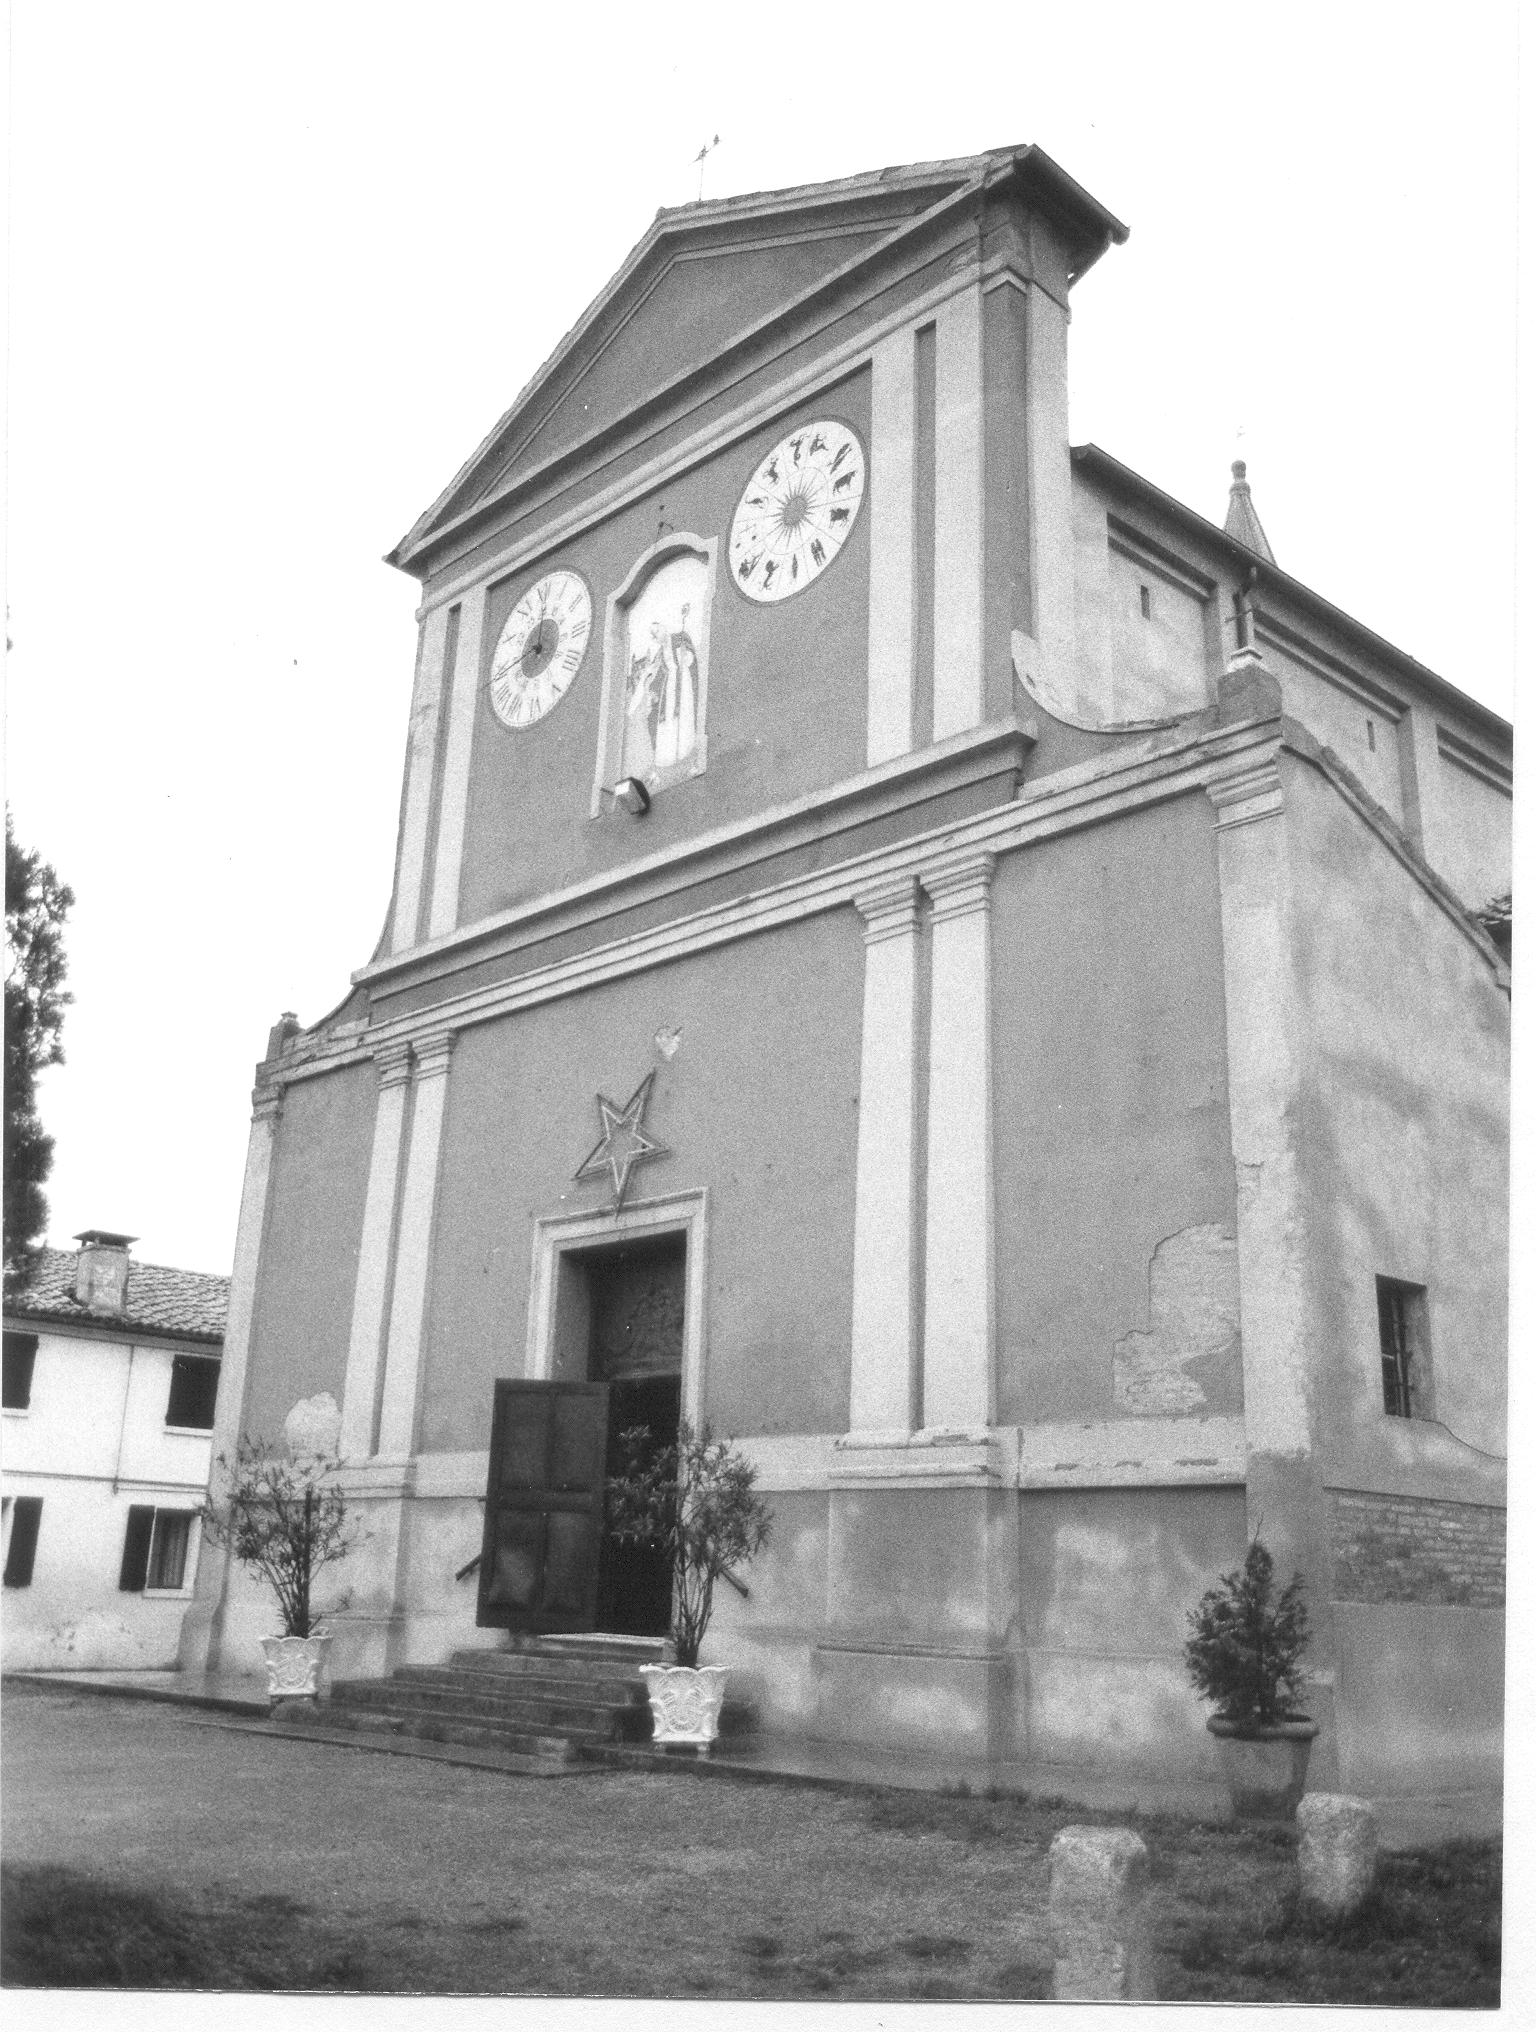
(544,1507)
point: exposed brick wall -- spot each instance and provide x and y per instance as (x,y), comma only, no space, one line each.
(1416,1549)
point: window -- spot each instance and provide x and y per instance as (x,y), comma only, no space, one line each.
(155,1549)
(21,1550)
(1402,1316)
(194,1386)
(20,1355)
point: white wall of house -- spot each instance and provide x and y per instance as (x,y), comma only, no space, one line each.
(93,1442)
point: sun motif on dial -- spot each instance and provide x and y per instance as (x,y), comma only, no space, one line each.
(540,649)
(797,512)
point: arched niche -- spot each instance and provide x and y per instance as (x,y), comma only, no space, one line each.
(653,724)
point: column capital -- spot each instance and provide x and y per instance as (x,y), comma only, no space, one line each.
(392,1062)
(1246,790)
(888,907)
(961,886)
(432,1054)
(266,1105)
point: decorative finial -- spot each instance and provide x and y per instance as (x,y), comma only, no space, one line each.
(1242,521)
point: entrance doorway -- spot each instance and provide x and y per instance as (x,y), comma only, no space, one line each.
(633,1296)
(616,1341)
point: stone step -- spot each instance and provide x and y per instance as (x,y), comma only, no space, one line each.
(606,1692)
(468,1730)
(605,1682)
(627,1651)
(590,1718)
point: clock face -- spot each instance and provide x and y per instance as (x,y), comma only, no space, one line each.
(540,649)
(797,511)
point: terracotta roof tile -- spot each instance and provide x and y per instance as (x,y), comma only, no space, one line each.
(160,1299)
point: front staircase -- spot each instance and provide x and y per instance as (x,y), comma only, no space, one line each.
(546,1700)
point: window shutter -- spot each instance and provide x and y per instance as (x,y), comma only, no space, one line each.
(194,1387)
(23,1546)
(141,1524)
(20,1355)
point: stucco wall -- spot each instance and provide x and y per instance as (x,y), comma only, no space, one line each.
(308,1273)
(1110,1092)
(1131,664)
(1404,1163)
(1475,837)
(92,1441)
(840,319)
(1107,1578)
(1405,1150)
(757,1103)
(1363,736)
(787,689)
(73,1616)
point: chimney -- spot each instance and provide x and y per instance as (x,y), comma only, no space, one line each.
(101,1274)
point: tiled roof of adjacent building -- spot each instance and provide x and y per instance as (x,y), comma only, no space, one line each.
(189,1303)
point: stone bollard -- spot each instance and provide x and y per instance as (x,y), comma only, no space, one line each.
(1099,1930)
(1337,1851)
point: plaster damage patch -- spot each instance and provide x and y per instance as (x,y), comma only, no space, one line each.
(313,1426)
(1191,1360)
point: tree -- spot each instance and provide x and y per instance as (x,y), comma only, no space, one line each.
(1245,1645)
(284,1520)
(36,903)
(695,1500)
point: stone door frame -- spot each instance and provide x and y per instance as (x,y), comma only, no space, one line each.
(684,1213)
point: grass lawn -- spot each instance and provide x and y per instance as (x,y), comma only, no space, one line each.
(640,1885)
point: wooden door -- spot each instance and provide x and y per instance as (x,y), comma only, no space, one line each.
(542,1551)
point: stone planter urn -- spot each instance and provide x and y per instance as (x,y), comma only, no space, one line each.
(296,1665)
(1265,1770)
(685,1703)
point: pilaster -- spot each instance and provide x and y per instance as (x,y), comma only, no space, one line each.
(883,1389)
(892,508)
(1053,558)
(958,700)
(420,757)
(1285,1498)
(1420,766)
(413,1250)
(365,1347)
(454,807)
(202,1626)
(959,1387)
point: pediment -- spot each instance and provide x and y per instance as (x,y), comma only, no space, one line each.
(690,312)
(708,277)
(704,277)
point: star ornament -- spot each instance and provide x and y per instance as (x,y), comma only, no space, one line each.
(623,1143)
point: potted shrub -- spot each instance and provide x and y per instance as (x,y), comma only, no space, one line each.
(1244,1653)
(285,1521)
(696,1501)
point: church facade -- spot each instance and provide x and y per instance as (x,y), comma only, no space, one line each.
(911,946)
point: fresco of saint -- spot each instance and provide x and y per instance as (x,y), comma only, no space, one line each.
(661,694)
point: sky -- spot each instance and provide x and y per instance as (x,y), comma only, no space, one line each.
(275,272)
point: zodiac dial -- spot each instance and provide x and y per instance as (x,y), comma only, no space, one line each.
(797,511)
(540,650)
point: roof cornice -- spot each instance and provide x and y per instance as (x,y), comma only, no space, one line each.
(1088,228)
(1093,459)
